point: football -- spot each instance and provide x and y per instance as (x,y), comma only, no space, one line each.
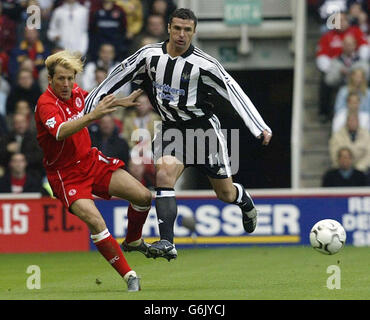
(327,236)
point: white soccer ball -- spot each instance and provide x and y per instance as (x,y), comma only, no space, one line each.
(327,236)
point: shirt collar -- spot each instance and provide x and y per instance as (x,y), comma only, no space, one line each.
(184,55)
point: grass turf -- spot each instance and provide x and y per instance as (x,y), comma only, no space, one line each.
(198,274)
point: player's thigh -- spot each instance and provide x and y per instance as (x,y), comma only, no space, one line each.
(168,170)
(86,210)
(125,186)
(224,188)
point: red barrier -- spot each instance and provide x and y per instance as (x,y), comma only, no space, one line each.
(40,225)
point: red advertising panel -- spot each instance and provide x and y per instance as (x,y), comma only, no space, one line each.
(40,225)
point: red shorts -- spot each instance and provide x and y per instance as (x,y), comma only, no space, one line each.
(88,176)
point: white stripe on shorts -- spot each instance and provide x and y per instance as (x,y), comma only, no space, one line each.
(221,138)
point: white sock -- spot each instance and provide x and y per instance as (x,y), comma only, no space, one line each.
(128,274)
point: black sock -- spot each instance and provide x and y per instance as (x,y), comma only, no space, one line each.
(166,207)
(242,200)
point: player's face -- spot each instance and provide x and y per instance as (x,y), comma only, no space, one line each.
(181,32)
(62,82)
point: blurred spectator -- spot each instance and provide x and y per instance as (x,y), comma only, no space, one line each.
(356,84)
(140,117)
(345,175)
(26,88)
(145,118)
(3,127)
(21,139)
(348,60)
(17,179)
(91,5)
(100,75)
(327,7)
(355,138)
(155,28)
(353,106)
(134,15)
(330,46)
(68,27)
(106,60)
(8,35)
(4,92)
(45,7)
(139,171)
(357,15)
(31,48)
(104,136)
(14,8)
(108,25)
(23,107)
(4,62)
(161,7)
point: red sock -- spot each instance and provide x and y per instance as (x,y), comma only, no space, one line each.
(111,251)
(136,218)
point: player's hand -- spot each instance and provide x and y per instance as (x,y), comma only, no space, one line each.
(106,106)
(129,101)
(266,136)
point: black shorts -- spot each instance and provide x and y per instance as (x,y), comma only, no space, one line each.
(197,143)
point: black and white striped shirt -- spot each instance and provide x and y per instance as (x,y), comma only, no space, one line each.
(179,87)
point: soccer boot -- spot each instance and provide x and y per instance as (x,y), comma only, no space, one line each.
(163,249)
(133,283)
(143,247)
(249,217)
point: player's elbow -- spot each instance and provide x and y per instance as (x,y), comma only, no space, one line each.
(61,133)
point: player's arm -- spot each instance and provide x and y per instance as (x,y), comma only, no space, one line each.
(125,72)
(106,106)
(217,78)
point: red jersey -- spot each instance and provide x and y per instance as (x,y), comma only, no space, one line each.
(50,114)
(330,43)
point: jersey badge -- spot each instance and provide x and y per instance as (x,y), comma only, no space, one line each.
(50,122)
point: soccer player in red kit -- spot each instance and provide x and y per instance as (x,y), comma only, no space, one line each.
(76,171)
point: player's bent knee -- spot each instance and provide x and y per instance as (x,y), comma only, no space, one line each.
(165,178)
(146,199)
(88,214)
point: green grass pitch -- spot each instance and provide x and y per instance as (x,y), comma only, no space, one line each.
(243,273)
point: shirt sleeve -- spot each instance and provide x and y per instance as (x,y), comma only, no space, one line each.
(228,88)
(125,72)
(50,118)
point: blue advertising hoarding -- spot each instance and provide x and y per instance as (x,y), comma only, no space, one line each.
(285,218)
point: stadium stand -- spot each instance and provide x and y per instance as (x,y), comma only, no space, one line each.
(319,97)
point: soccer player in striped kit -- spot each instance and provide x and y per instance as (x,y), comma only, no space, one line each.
(179,78)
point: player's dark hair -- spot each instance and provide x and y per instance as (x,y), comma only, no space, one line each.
(184,13)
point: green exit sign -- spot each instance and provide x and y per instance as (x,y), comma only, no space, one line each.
(238,12)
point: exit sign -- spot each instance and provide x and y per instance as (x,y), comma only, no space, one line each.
(238,12)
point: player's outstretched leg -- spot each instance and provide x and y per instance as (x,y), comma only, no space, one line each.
(125,186)
(110,250)
(230,192)
(108,247)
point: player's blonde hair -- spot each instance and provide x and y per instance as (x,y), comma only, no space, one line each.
(66,59)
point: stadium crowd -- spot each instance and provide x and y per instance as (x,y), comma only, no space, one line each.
(107,31)
(104,32)
(343,59)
